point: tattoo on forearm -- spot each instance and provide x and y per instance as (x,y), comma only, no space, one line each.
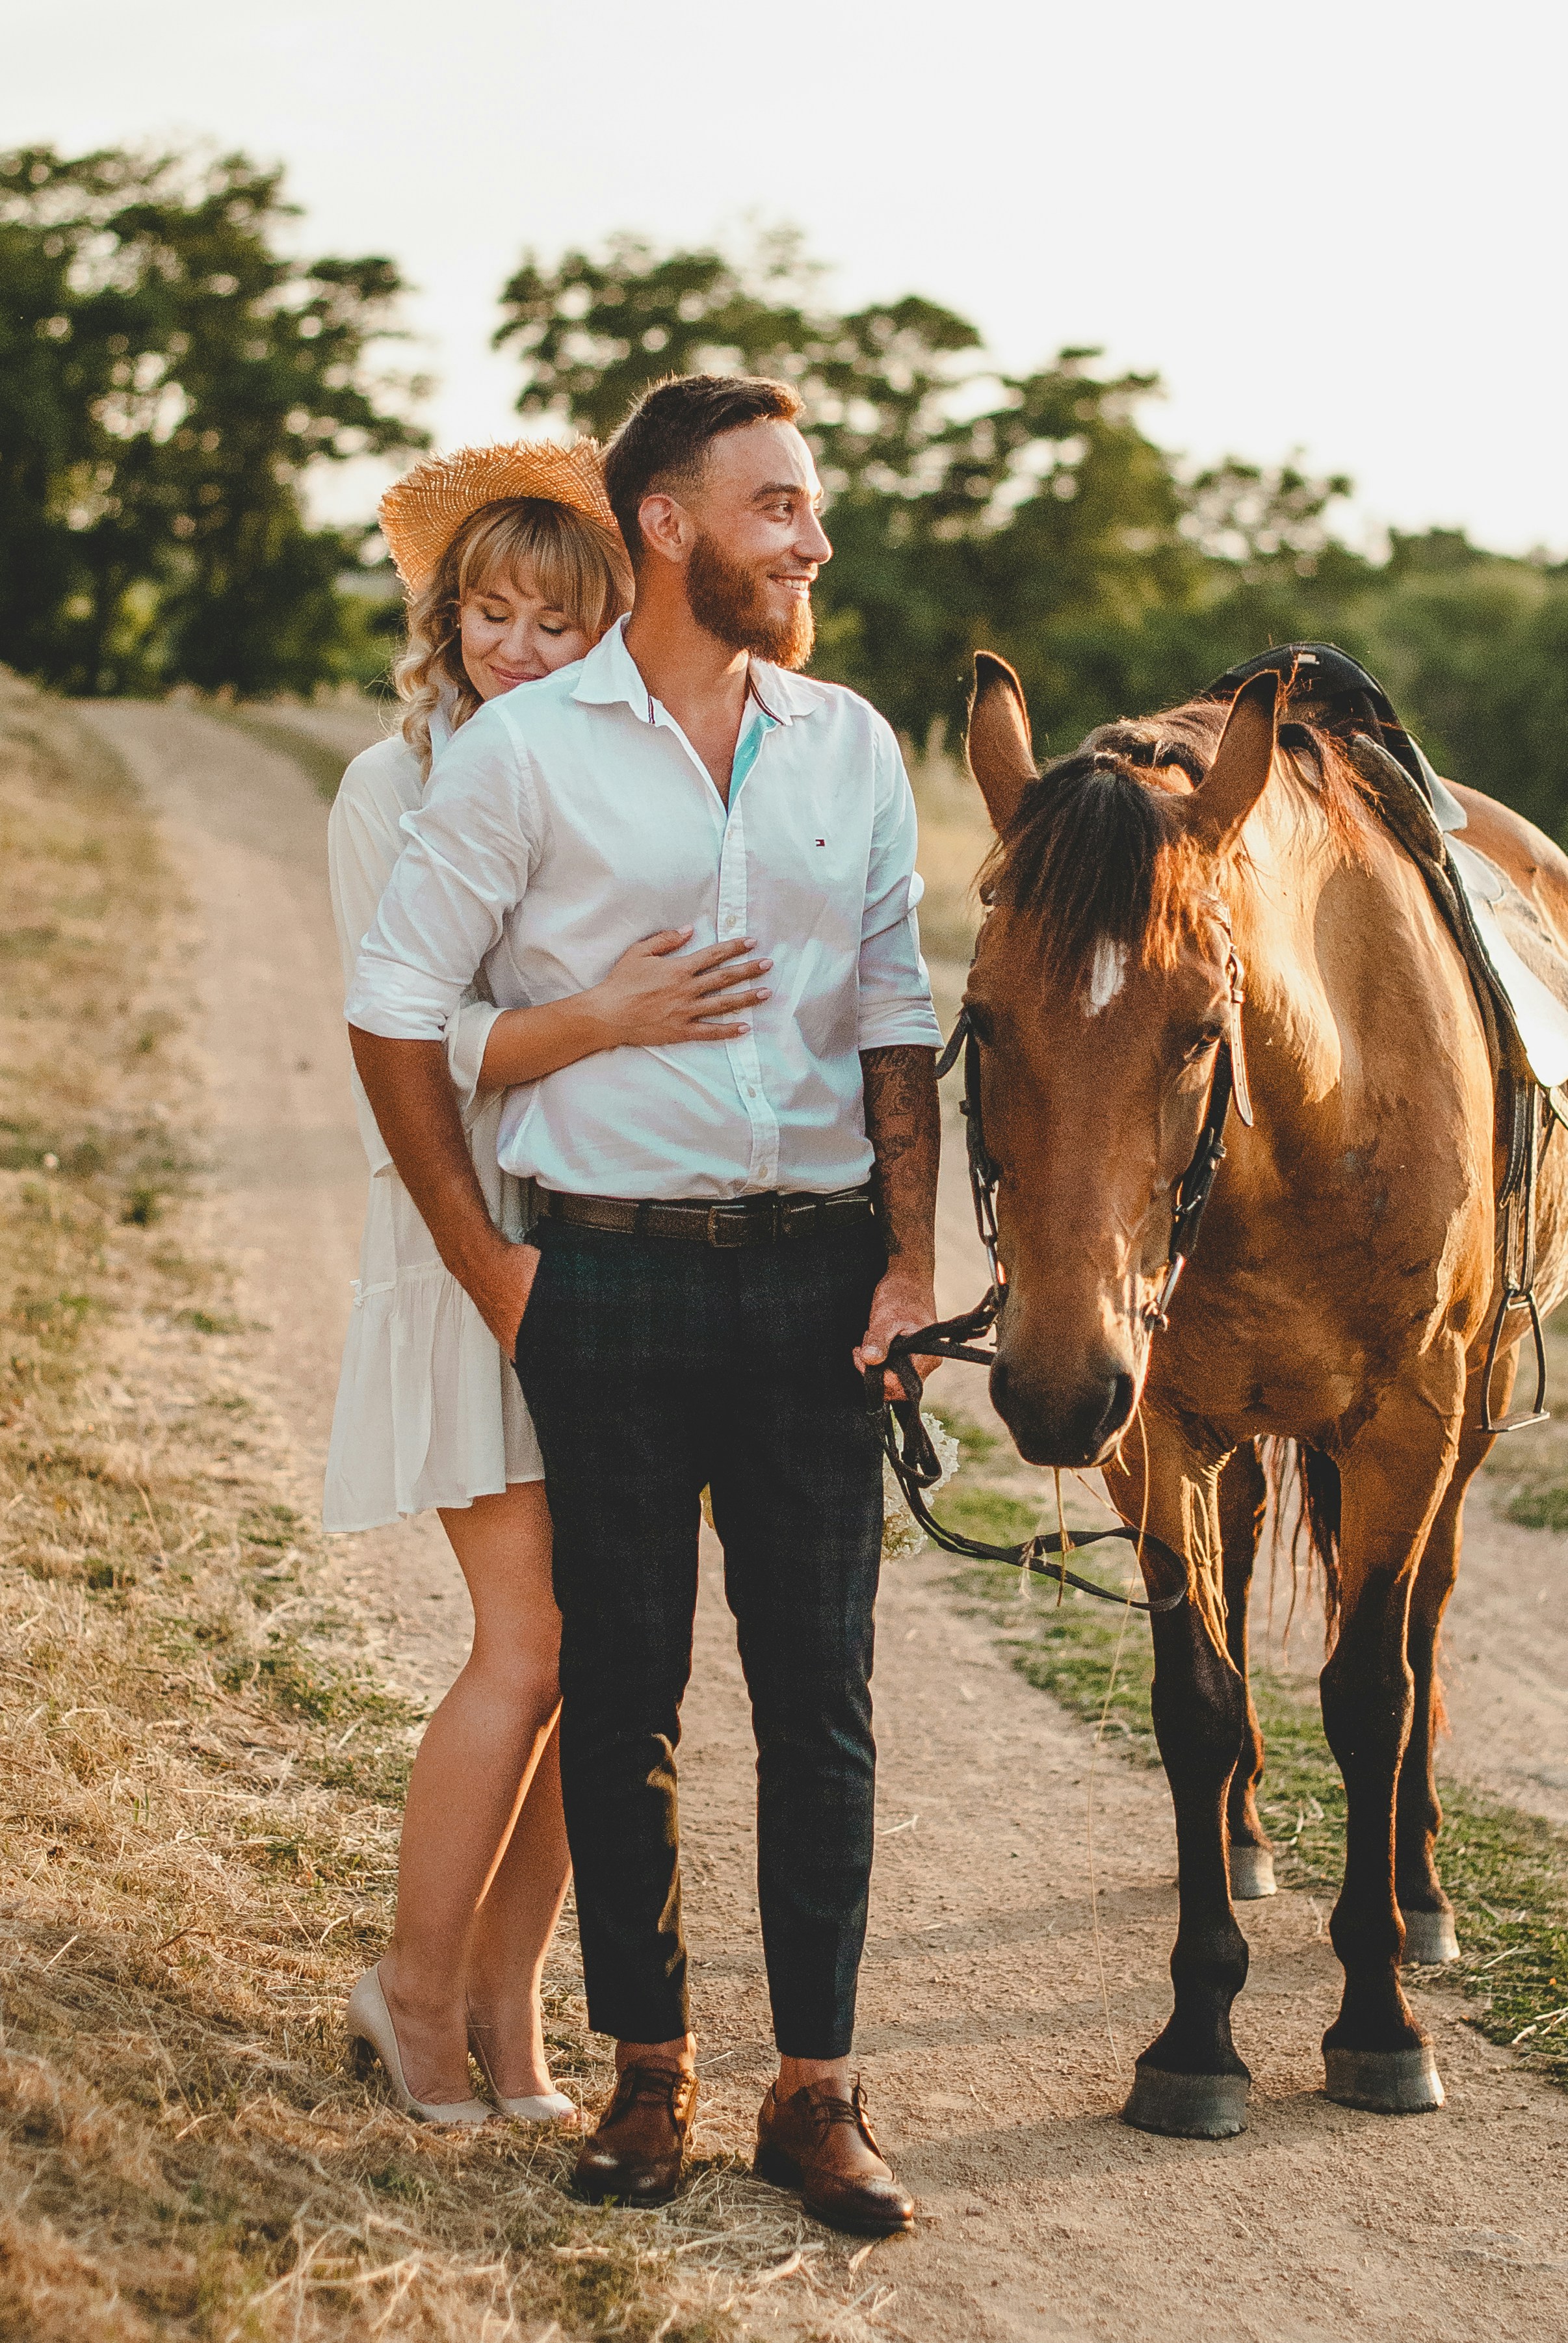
(903,1124)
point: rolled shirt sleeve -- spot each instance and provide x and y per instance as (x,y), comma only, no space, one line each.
(895,992)
(468,1030)
(472,846)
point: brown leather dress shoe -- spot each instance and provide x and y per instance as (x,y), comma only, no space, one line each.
(636,2152)
(824,2146)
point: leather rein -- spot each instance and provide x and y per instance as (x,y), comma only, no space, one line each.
(909,1451)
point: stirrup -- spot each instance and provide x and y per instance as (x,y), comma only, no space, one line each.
(1519,1279)
(1513,1299)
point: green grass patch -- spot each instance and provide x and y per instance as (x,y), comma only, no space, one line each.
(1506,1872)
(212,1321)
(274,1526)
(1540,1506)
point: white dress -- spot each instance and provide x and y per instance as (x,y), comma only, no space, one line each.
(430,1412)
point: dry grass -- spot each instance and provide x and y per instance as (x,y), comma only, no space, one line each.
(200,1776)
(955,835)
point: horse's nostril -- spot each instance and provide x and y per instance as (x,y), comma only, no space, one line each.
(1118,1409)
(1054,1426)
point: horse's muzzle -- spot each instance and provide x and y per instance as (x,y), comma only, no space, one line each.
(1063,1423)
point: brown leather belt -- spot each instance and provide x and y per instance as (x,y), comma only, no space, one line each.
(772,1219)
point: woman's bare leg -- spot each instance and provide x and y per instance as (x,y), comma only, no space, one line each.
(512,1936)
(475,1768)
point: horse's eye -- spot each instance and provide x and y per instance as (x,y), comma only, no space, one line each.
(1202,1042)
(979,1023)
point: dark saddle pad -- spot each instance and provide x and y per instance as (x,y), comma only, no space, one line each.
(1515,963)
(1328,689)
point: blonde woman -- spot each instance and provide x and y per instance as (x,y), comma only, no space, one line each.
(514,568)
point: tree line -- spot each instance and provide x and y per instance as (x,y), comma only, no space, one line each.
(169,373)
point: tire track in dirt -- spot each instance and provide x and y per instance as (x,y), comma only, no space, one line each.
(984,2034)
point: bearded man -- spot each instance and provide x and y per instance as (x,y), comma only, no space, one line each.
(725,1234)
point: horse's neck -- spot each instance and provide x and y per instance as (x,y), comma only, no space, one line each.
(1327,932)
(1374,1133)
(1291,1041)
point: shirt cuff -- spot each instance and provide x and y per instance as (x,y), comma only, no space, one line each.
(398,1005)
(898,1025)
(467,1031)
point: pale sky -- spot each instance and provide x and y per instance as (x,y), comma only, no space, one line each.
(1338,228)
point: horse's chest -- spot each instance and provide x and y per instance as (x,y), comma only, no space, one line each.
(1286,1325)
(1227,1370)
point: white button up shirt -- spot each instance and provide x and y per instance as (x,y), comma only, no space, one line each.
(571,817)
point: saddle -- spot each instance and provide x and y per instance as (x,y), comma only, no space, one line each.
(1517,969)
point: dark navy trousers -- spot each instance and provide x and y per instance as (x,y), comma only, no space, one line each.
(653,1369)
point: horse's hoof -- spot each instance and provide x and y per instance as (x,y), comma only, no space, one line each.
(1387,2082)
(1251,1874)
(1187,2107)
(1429,1936)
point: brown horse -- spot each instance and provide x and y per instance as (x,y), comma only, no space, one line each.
(1341,1298)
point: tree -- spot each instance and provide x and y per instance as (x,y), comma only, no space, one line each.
(167,376)
(1475,644)
(594,334)
(967,507)
(1034,515)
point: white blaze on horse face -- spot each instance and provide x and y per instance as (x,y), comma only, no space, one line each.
(1106,975)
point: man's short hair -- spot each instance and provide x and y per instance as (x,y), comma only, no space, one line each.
(664,441)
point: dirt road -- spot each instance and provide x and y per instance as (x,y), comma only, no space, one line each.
(983,2027)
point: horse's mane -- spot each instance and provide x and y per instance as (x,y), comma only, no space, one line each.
(1100,849)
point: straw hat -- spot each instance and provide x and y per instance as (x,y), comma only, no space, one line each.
(422,512)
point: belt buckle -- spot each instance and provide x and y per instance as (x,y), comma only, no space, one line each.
(716,1222)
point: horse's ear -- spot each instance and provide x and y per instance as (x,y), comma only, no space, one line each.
(1000,755)
(1243,762)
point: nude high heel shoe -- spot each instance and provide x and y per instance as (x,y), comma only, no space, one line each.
(371,2030)
(550,2107)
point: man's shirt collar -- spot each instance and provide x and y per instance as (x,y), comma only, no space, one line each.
(611,678)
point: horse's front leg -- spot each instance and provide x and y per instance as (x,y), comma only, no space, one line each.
(1190,2082)
(1395,1476)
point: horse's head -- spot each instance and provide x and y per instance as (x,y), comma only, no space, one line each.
(1100,993)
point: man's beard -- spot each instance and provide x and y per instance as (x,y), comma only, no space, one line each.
(728,600)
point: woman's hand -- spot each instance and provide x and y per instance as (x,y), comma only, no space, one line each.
(650,998)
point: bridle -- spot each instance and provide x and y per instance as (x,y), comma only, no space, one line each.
(910,1450)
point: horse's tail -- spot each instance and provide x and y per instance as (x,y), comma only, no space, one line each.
(1313,1534)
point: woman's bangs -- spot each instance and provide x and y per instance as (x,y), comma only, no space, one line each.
(544,548)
